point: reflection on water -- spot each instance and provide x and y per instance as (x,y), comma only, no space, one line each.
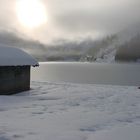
(90,73)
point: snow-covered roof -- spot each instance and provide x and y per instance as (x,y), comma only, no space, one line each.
(10,56)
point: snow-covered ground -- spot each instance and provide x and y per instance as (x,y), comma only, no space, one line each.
(63,111)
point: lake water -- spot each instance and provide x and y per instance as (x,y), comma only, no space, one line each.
(89,73)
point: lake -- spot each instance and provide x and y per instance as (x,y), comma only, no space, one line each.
(88,73)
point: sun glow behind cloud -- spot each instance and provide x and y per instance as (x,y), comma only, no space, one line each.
(68,19)
(31,13)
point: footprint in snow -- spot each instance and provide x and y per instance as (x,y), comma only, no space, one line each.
(48,98)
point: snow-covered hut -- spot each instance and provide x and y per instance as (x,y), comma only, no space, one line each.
(15,67)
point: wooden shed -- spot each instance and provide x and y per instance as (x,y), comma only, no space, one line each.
(15,67)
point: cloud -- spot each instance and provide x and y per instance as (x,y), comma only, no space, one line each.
(7,13)
(73,18)
(108,16)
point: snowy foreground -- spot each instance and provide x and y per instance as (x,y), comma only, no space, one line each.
(52,111)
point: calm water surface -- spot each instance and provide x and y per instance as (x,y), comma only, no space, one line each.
(89,73)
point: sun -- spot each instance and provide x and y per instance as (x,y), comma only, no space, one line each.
(31,13)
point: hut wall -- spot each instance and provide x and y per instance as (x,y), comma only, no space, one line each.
(14,79)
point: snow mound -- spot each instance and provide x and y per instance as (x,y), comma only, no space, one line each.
(10,56)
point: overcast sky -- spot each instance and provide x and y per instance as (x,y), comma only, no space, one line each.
(75,18)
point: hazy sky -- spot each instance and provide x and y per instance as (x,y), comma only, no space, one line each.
(75,18)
